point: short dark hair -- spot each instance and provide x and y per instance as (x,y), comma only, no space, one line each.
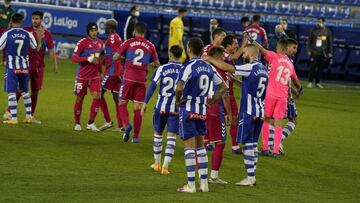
(140,28)
(321,18)
(216,51)
(38,13)
(196,45)
(133,8)
(217,31)
(176,51)
(284,19)
(228,40)
(256,18)
(244,19)
(283,42)
(292,41)
(17,18)
(182,10)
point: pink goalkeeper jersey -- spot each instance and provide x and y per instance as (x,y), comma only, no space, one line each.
(280,73)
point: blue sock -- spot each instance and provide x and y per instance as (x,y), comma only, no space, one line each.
(157,147)
(190,162)
(249,157)
(12,103)
(287,130)
(27,103)
(256,154)
(202,159)
(170,150)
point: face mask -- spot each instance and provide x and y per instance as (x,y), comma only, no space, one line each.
(6,5)
(137,13)
(321,25)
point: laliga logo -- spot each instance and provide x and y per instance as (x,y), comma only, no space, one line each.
(101,25)
(47,20)
(59,21)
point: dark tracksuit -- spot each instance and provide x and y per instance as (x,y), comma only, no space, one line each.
(319,46)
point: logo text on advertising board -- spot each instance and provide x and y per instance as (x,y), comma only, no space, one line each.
(64,21)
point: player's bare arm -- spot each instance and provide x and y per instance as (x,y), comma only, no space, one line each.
(299,89)
(227,106)
(233,78)
(219,63)
(53,58)
(239,51)
(154,64)
(178,92)
(219,92)
(257,45)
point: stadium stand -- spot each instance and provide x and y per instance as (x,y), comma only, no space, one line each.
(301,14)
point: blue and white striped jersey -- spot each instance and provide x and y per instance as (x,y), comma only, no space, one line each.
(197,76)
(254,83)
(17,42)
(166,76)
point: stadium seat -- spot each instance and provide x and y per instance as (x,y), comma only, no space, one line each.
(353,63)
(339,57)
(240,4)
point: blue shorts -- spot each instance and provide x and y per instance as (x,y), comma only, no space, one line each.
(161,120)
(249,129)
(14,82)
(291,110)
(191,124)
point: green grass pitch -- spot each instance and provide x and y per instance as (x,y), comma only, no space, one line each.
(52,163)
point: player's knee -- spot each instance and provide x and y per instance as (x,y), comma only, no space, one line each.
(137,105)
(293,120)
(79,99)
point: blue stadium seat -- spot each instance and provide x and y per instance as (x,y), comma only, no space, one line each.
(339,59)
(240,4)
(353,63)
(307,10)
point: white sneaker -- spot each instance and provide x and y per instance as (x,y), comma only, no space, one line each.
(77,127)
(310,85)
(318,85)
(217,181)
(204,186)
(248,181)
(106,126)
(187,188)
(7,116)
(119,130)
(92,127)
(34,120)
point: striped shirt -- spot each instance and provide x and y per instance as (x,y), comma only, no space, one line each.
(197,76)
(254,83)
(166,76)
(17,42)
